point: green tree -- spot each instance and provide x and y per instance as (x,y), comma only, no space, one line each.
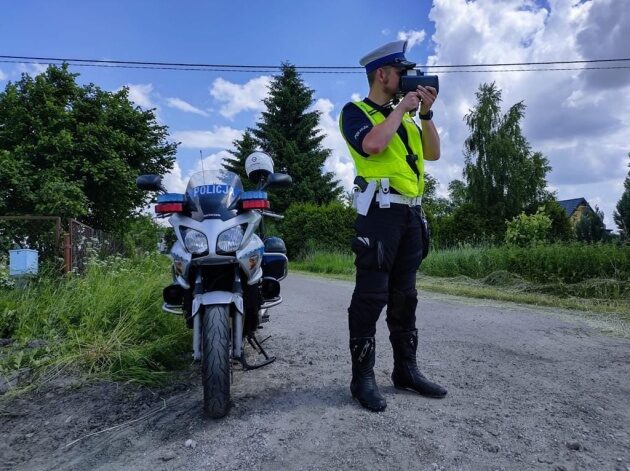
(288,132)
(458,193)
(434,205)
(503,175)
(75,150)
(243,147)
(622,213)
(590,228)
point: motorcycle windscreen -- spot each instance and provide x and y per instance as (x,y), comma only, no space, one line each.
(214,194)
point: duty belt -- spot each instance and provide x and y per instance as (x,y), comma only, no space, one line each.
(400,199)
(380,193)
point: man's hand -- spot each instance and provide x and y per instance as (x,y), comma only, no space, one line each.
(427,97)
(410,102)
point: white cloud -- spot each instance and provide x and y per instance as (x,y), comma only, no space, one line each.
(219,137)
(31,69)
(385,32)
(355,97)
(413,37)
(339,162)
(238,98)
(578,119)
(212,161)
(184,106)
(140,94)
(3,76)
(175,181)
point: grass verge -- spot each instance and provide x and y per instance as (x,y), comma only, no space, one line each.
(106,323)
(610,295)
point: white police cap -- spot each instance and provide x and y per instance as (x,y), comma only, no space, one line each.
(392,54)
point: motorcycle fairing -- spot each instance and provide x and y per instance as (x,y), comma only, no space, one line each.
(213,194)
(181,259)
(250,259)
(212,228)
(217,297)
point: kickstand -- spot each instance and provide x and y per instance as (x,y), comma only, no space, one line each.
(256,345)
(260,342)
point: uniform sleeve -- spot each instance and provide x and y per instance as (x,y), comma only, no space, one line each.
(354,126)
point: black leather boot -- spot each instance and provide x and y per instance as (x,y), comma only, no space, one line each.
(363,386)
(406,374)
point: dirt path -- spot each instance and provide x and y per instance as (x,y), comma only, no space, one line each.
(527,390)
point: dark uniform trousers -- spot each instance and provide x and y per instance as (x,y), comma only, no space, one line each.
(389,246)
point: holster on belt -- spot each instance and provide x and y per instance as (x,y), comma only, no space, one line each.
(361,200)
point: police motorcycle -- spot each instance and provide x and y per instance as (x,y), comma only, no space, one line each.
(226,274)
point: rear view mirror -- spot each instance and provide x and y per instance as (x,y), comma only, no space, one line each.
(279,180)
(149,182)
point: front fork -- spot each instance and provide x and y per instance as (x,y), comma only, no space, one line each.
(237,328)
(236,318)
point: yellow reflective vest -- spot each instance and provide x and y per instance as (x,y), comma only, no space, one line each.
(392,162)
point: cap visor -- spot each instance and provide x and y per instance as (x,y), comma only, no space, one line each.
(403,64)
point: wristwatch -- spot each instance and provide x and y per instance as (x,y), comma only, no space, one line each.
(427,116)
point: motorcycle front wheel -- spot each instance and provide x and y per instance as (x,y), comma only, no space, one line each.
(215,360)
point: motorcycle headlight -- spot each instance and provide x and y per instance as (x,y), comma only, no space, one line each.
(195,241)
(230,240)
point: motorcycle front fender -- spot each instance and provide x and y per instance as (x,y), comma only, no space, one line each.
(217,297)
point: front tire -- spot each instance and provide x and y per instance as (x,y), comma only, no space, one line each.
(215,360)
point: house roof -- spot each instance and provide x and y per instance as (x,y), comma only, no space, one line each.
(570,206)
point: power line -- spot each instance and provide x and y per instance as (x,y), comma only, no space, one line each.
(533,70)
(272,71)
(513,64)
(116,66)
(306,69)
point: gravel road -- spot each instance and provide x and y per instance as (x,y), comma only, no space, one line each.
(528,389)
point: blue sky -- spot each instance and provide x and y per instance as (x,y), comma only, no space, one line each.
(206,110)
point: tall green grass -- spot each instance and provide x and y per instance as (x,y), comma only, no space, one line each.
(320,261)
(107,322)
(578,270)
(568,263)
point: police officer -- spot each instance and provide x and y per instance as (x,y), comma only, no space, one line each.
(389,150)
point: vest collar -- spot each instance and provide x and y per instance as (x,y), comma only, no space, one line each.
(385,110)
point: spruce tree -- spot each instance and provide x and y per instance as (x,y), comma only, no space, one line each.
(504,177)
(622,213)
(288,132)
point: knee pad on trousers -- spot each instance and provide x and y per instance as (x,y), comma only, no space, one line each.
(363,313)
(401,310)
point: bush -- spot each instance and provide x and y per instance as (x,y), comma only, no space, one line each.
(526,230)
(561,227)
(5,280)
(142,235)
(308,226)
